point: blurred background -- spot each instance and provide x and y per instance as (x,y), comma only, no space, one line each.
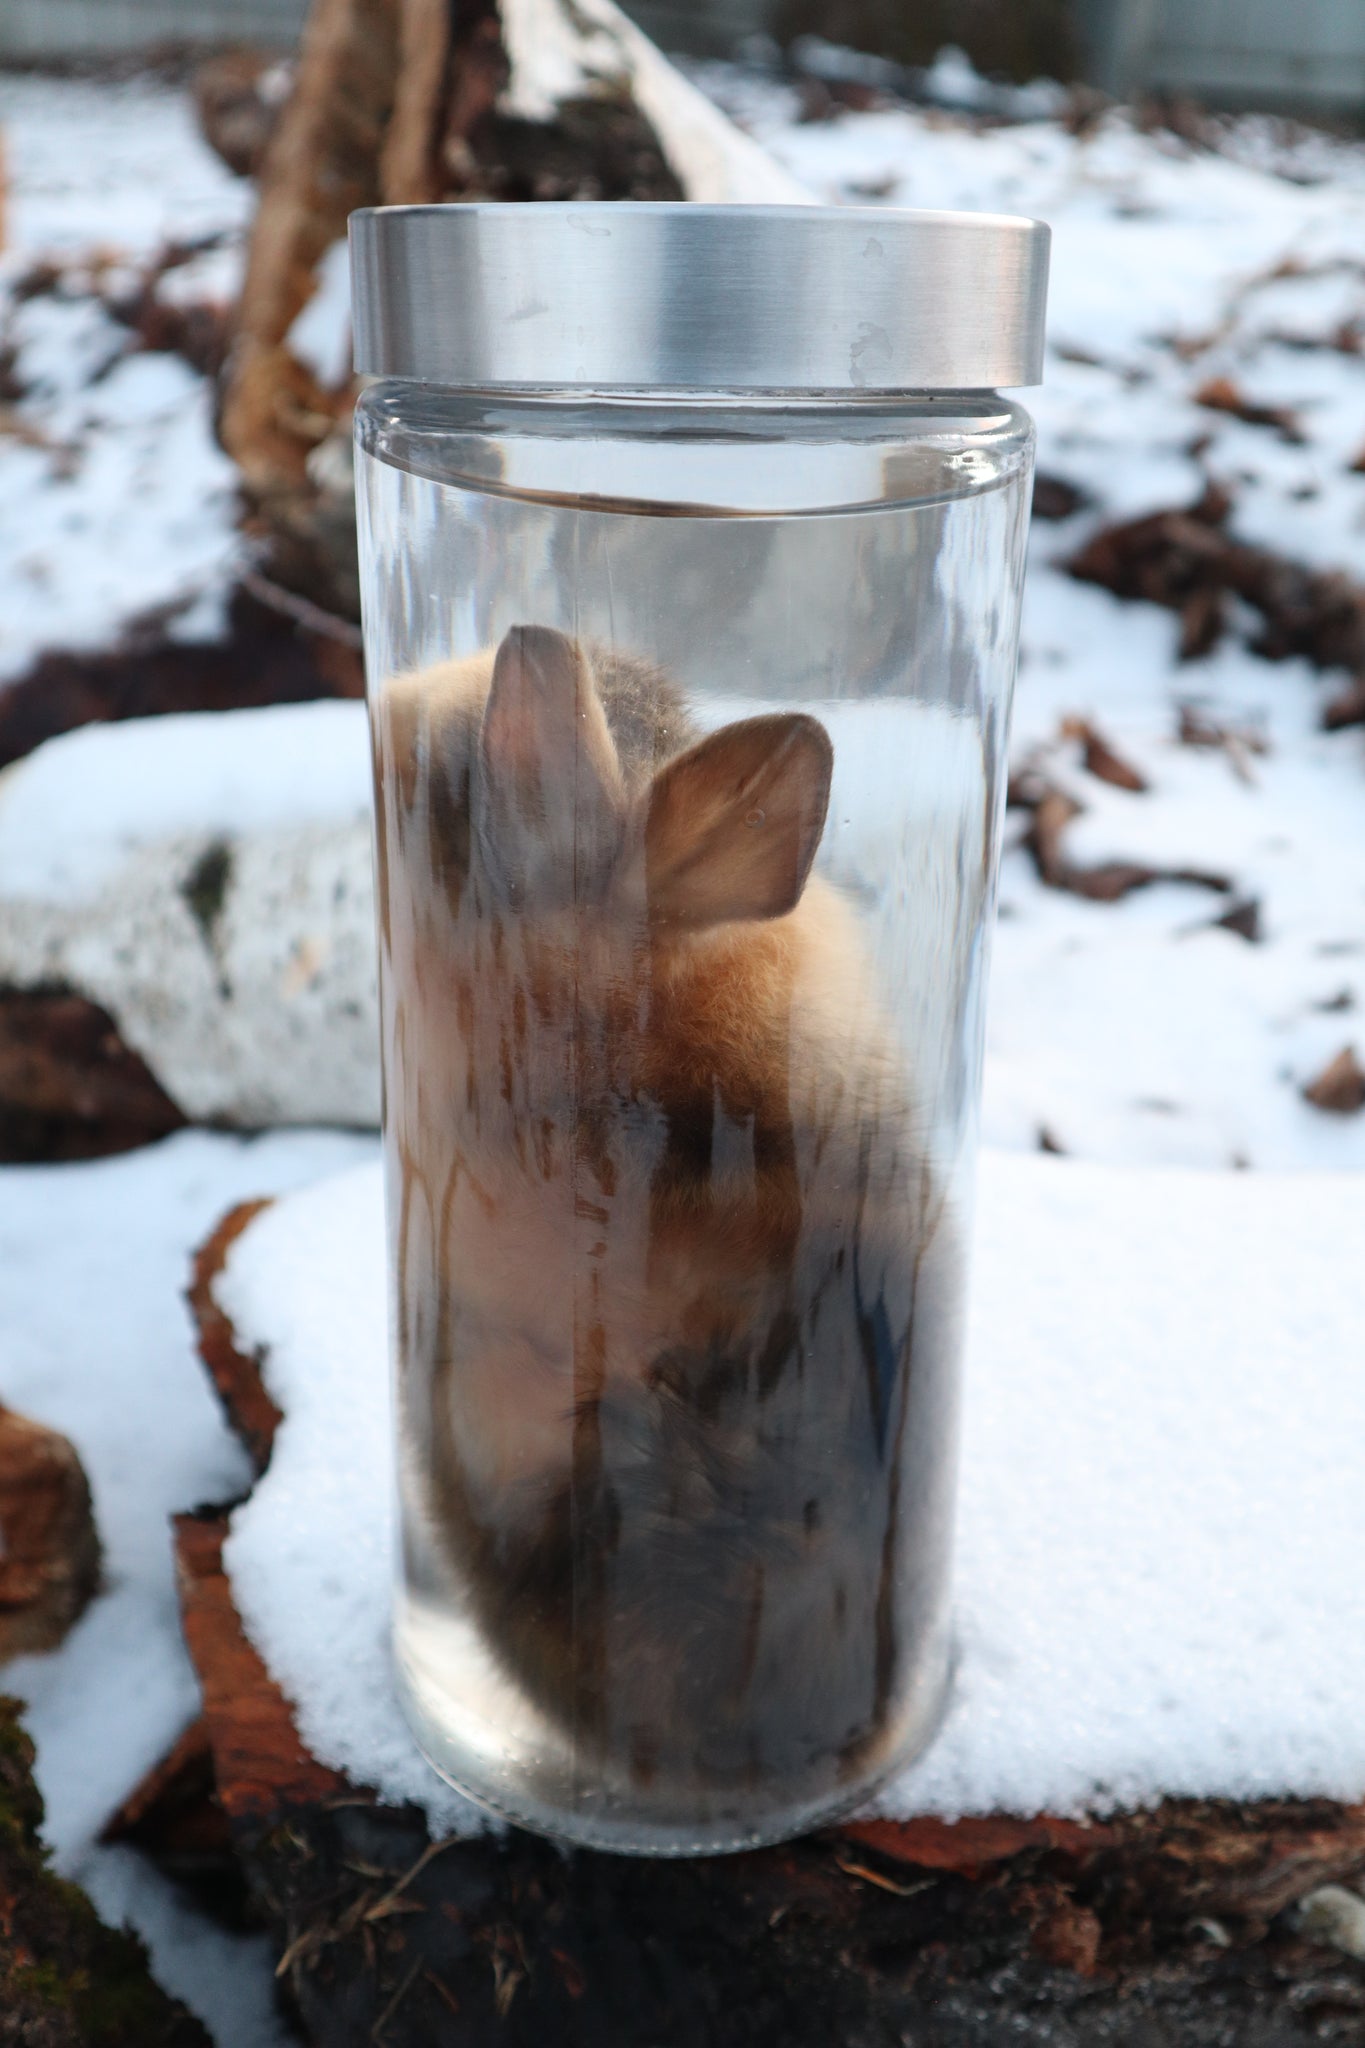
(1234,53)
(187,1007)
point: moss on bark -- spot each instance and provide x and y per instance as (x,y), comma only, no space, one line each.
(66,1980)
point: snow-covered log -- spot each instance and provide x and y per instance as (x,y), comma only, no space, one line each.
(1033,1913)
(206,881)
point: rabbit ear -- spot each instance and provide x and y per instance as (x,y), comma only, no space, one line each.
(733,823)
(549,802)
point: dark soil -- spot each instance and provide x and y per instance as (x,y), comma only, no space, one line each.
(268,655)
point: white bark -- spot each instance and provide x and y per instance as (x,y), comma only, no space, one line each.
(559,51)
(256,1006)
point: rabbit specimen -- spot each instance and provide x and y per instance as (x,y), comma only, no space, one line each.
(661,1217)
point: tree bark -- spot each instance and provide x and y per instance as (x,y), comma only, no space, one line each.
(49,1551)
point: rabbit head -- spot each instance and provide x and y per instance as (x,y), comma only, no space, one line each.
(723,833)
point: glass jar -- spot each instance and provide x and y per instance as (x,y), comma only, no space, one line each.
(691,547)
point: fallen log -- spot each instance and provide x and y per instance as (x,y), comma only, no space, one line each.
(1180,1923)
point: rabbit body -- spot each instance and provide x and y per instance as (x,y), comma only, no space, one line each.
(660,1215)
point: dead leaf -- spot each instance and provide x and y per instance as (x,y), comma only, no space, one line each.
(1188,562)
(1220,394)
(1109,881)
(1055,497)
(1340,1087)
(1239,742)
(1347,709)
(1100,758)
(1243,918)
(882,1882)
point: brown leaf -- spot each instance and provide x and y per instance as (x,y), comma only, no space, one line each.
(1051,815)
(1100,758)
(1340,1087)
(1055,497)
(1187,561)
(1347,709)
(1220,394)
(1239,742)
(1108,881)
(1243,918)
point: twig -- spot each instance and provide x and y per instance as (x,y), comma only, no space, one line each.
(385,1905)
(886,1884)
(376,2031)
(300,609)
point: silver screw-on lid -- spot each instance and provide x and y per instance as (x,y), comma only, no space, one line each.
(679,297)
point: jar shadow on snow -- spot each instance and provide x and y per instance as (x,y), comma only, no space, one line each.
(689,725)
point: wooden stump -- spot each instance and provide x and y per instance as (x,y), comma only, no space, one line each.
(1172,1926)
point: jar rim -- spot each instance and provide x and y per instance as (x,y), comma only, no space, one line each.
(665,294)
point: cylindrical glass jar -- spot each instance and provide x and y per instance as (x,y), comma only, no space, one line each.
(690,617)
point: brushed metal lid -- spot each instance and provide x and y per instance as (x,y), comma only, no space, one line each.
(677,296)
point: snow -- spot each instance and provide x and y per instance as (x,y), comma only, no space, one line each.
(320,336)
(256,1009)
(99,1344)
(114,498)
(1153,241)
(75,810)
(1158,1587)
(1127,1032)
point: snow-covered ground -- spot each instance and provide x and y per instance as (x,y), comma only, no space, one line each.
(97,1341)
(114,498)
(1133,1033)
(1137,1031)
(1161,1521)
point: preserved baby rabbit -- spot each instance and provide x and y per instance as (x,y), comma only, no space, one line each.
(658,1342)
(688,702)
